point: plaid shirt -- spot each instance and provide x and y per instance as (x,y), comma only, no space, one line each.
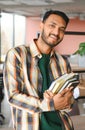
(23,81)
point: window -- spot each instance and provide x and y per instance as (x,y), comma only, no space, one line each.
(12,32)
(19,30)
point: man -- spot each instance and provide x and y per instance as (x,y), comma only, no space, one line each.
(28,73)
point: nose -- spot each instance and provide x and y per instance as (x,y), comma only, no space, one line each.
(56,31)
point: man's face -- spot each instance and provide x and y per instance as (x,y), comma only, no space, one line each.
(52,30)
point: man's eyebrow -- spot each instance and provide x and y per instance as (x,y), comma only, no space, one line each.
(62,26)
(53,22)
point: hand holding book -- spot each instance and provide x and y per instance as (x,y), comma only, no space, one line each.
(66,80)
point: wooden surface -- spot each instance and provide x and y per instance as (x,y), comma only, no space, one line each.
(78,122)
(78,69)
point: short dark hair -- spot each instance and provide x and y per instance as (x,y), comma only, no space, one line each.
(60,13)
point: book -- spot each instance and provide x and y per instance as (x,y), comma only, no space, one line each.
(66,80)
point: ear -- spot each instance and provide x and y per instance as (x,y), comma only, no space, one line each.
(41,25)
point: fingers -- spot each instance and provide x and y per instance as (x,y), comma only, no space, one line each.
(63,92)
(66,91)
(48,94)
(71,88)
(63,100)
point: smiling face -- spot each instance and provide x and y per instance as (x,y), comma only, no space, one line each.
(52,30)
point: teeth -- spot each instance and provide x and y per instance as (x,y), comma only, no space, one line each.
(53,36)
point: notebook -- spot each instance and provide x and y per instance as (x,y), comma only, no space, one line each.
(66,80)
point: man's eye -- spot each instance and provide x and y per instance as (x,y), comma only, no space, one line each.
(51,25)
(62,30)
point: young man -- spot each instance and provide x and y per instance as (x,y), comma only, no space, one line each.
(28,73)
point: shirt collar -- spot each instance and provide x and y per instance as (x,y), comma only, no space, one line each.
(35,51)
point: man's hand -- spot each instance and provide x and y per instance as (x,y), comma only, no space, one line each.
(48,95)
(63,100)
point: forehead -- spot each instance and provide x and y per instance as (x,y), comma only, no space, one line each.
(53,18)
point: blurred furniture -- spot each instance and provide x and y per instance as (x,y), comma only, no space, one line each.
(81,71)
(75,109)
(78,122)
(1,97)
(77,69)
(81,98)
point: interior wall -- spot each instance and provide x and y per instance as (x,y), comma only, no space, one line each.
(32,28)
(69,44)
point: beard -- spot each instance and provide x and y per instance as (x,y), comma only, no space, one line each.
(44,38)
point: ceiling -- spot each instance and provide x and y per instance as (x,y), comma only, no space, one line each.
(36,8)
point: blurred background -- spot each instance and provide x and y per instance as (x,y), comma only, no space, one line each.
(19,24)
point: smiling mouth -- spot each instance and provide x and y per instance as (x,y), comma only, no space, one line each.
(54,37)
